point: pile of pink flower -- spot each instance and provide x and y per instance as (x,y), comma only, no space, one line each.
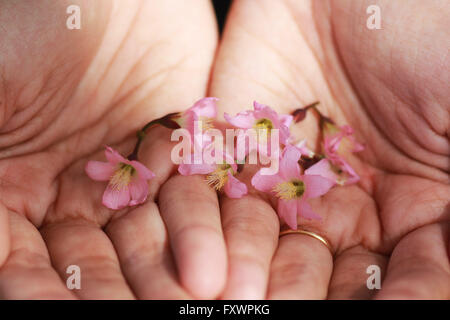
(302,174)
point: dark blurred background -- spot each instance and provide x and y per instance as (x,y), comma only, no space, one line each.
(221,7)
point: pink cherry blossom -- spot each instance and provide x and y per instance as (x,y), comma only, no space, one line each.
(202,114)
(292,188)
(337,143)
(261,118)
(127,185)
(220,176)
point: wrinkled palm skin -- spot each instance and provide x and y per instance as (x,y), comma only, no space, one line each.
(65,94)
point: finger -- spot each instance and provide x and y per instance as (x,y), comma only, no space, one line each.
(349,279)
(27,273)
(140,239)
(190,210)
(4,234)
(301,268)
(85,245)
(419,266)
(139,235)
(253,62)
(251,230)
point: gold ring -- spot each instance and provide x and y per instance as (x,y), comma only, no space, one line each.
(308,233)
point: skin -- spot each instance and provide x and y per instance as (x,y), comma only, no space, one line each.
(62,104)
(130,61)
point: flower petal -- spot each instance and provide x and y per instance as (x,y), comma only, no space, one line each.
(187,120)
(116,199)
(316,186)
(263,111)
(258,106)
(286,119)
(228,159)
(289,167)
(355,146)
(143,171)
(285,134)
(305,211)
(304,150)
(265,183)
(138,191)
(243,120)
(346,130)
(113,156)
(99,171)
(287,210)
(246,142)
(353,177)
(205,107)
(323,168)
(234,188)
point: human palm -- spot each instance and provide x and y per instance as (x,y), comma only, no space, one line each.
(66,94)
(387,85)
(126,67)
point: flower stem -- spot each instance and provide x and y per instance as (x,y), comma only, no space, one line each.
(300,114)
(167,121)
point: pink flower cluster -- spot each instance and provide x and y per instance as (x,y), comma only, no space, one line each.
(292,185)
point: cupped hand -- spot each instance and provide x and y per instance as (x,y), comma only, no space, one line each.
(391,86)
(65,94)
(131,64)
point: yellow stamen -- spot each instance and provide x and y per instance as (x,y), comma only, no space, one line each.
(289,190)
(263,126)
(219,177)
(204,123)
(122,176)
(207,123)
(263,123)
